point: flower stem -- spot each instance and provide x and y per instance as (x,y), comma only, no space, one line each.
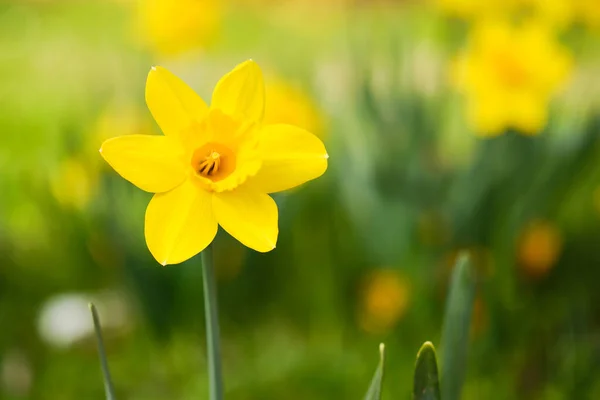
(108,386)
(212,325)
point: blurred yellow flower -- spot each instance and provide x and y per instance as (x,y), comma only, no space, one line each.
(464,8)
(175,26)
(509,74)
(589,12)
(384,300)
(73,183)
(288,104)
(539,248)
(116,118)
(555,12)
(213,166)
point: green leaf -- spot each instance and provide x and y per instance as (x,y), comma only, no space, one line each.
(457,321)
(374,392)
(426,383)
(108,386)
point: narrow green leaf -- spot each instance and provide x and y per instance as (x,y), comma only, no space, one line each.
(108,386)
(426,384)
(374,392)
(455,334)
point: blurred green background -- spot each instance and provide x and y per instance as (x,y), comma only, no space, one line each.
(423,163)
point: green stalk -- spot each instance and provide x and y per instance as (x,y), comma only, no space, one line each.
(455,334)
(213,347)
(108,386)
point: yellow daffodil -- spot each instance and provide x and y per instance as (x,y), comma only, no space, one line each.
(214,165)
(509,75)
(175,26)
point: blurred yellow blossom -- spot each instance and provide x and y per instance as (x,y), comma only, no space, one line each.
(539,248)
(214,165)
(555,12)
(289,104)
(174,26)
(124,119)
(73,183)
(509,74)
(464,8)
(384,300)
(588,11)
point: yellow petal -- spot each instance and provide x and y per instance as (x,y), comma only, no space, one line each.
(152,163)
(248,216)
(241,93)
(291,156)
(173,104)
(180,223)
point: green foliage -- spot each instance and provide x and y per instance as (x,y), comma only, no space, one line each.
(426,382)
(108,385)
(408,185)
(374,392)
(457,321)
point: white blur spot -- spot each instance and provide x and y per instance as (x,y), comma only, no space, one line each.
(65,319)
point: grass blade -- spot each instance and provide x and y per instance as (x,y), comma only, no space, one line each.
(108,386)
(455,334)
(426,384)
(374,392)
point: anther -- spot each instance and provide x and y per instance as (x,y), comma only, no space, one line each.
(210,165)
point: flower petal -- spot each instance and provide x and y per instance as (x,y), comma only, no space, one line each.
(152,163)
(173,104)
(248,216)
(241,93)
(291,156)
(180,223)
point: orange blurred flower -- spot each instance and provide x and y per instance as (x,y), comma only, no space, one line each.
(539,248)
(385,298)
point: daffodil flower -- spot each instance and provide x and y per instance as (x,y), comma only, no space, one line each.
(214,165)
(509,74)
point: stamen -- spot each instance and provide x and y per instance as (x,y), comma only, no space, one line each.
(210,165)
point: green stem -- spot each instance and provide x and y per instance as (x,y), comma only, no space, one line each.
(455,333)
(213,347)
(108,386)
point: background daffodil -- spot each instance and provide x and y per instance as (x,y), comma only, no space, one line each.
(509,75)
(176,26)
(214,165)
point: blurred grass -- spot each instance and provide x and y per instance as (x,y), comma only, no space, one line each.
(408,185)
